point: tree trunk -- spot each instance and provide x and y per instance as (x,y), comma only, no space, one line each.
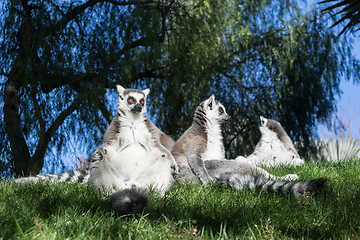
(19,149)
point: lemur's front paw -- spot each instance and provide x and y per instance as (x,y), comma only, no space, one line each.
(207,180)
(175,169)
(98,154)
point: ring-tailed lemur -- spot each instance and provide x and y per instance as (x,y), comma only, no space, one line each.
(274,148)
(131,158)
(202,141)
(200,154)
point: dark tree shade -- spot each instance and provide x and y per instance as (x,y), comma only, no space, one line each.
(60,62)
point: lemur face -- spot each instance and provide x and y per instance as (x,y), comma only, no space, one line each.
(132,100)
(215,110)
(263,121)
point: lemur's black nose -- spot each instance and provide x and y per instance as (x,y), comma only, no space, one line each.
(137,108)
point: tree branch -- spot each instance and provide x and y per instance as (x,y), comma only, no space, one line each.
(64,114)
(37,160)
(57,81)
(38,111)
(4,74)
(19,149)
(248,88)
(150,73)
(74,12)
(105,112)
(137,43)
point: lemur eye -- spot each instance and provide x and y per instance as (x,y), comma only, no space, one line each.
(131,100)
(221,110)
(142,101)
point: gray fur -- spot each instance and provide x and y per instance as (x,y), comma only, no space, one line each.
(217,167)
(161,137)
(189,150)
(274,148)
(132,157)
(81,176)
(304,188)
(239,175)
(276,127)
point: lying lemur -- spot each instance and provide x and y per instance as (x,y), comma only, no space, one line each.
(200,155)
(274,148)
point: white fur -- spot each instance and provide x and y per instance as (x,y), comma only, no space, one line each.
(214,148)
(214,143)
(263,172)
(272,152)
(135,159)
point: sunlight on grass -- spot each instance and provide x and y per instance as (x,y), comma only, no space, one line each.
(60,211)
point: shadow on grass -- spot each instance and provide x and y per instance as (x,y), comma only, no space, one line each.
(209,210)
(245,212)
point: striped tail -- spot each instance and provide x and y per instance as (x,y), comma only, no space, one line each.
(73,176)
(301,188)
(130,201)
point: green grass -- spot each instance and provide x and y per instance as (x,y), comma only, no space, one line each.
(60,211)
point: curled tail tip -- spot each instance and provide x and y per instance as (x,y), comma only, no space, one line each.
(318,185)
(130,201)
(321,184)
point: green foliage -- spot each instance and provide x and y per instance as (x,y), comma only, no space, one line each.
(288,69)
(64,59)
(337,150)
(59,211)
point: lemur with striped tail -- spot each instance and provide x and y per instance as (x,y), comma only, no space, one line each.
(131,159)
(200,155)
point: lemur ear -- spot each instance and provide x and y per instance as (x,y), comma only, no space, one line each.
(263,121)
(120,90)
(210,101)
(146,92)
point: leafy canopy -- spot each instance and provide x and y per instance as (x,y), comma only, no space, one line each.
(60,62)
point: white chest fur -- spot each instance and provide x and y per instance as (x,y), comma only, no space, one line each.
(272,152)
(135,149)
(215,147)
(135,133)
(136,160)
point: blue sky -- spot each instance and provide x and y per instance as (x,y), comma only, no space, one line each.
(348,106)
(348,103)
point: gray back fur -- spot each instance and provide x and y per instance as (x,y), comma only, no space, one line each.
(282,135)
(274,147)
(192,148)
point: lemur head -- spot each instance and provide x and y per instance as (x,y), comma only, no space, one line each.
(271,129)
(132,100)
(214,110)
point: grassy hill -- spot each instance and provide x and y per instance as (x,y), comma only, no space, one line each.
(60,211)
